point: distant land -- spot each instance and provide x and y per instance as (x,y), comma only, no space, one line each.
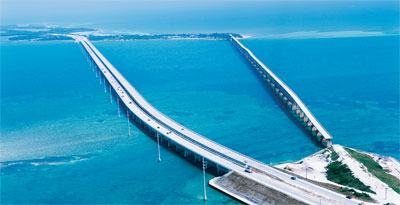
(48,33)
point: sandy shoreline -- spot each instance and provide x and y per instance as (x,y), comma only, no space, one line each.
(313,167)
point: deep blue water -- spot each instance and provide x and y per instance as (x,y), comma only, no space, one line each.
(61,139)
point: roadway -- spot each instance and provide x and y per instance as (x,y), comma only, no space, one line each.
(299,189)
(289,91)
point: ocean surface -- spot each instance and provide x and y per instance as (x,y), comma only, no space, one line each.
(62,140)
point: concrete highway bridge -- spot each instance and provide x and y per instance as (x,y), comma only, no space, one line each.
(196,148)
(288,97)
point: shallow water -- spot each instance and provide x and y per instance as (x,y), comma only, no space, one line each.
(61,139)
(208,87)
(350,84)
(69,133)
(83,145)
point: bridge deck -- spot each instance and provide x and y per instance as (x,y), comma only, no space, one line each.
(201,146)
(286,89)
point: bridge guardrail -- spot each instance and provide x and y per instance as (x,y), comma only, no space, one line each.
(325,134)
(242,164)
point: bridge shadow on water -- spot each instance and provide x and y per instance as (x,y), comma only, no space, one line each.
(165,141)
(169,145)
(195,159)
(188,155)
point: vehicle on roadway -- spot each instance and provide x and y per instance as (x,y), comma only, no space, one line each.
(248,169)
(293,178)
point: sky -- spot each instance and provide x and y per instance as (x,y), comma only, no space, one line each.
(254,17)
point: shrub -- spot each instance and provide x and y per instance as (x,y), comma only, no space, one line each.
(341,174)
(355,193)
(375,169)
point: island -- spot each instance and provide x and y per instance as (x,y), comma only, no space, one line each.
(48,33)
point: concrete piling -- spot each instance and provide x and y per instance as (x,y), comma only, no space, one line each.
(295,105)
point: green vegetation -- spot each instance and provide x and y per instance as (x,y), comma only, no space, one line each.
(334,155)
(338,189)
(341,174)
(215,36)
(38,33)
(375,169)
(347,191)
(39,37)
(353,192)
(324,151)
(46,33)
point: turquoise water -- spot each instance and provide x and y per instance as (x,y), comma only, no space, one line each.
(350,84)
(64,144)
(209,88)
(61,139)
(73,136)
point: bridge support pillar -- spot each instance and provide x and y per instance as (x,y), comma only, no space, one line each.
(158,146)
(314,129)
(119,114)
(319,137)
(298,111)
(104,82)
(110,94)
(294,107)
(204,179)
(326,142)
(129,128)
